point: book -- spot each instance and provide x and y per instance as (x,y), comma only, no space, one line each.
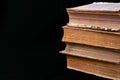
(92,37)
(98,15)
(92,52)
(94,67)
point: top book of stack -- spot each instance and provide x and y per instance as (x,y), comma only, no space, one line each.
(98,15)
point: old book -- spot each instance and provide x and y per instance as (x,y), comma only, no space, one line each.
(92,52)
(98,68)
(92,37)
(98,15)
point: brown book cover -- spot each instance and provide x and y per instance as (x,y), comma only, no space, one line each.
(98,15)
(92,37)
(99,68)
(92,52)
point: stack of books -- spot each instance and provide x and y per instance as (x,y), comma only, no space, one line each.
(93,39)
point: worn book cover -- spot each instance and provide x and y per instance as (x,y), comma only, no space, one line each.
(98,15)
